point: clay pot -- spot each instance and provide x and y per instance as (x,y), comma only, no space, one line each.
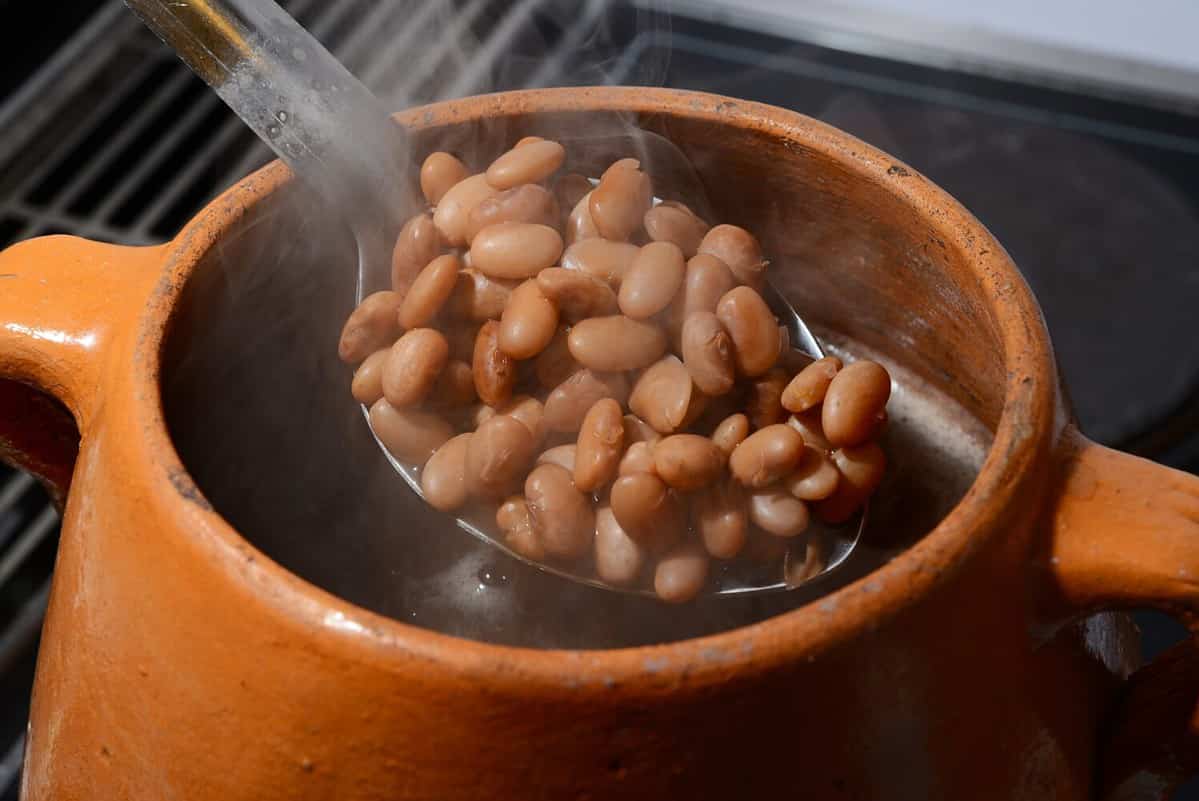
(180,661)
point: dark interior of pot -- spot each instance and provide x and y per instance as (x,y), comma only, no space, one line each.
(259,410)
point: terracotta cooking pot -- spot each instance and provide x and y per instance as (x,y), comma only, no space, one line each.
(180,661)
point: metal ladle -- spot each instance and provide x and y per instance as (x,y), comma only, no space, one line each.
(337,137)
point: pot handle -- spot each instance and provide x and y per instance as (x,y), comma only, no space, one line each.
(1124,533)
(64,302)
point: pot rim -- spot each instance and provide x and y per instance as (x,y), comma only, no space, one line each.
(1025,427)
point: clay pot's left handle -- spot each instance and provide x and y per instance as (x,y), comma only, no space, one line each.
(65,305)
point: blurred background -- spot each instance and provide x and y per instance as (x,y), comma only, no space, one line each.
(1069,127)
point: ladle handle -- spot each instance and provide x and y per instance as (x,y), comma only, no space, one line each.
(317,117)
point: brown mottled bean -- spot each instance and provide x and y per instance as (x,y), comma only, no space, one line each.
(372,326)
(430,291)
(766,456)
(561,455)
(497,457)
(739,249)
(663,395)
(443,479)
(526,164)
(494,370)
(639,458)
(555,364)
(367,386)
(705,282)
(616,343)
(563,517)
(413,365)
(815,479)
(570,189)
(619,203)
(808,425)
(681,573)
(778,512)
(452,216)
(753,329)
(578,295)
(417,245)
(676,224)
(646,508)
(579,225)
(637,430)
(721,518)
(810,385)
(438,173)
(707,352)
(731,432)
(514,520)
(515,250)
(862,468)
(528,323)
(652,280)
(855,404)
(522,204)
(688,462)
(763,402)
(455,386)
(569,402)
(618,557)
(601,439)
(605,260)
(410,435)
(477,297)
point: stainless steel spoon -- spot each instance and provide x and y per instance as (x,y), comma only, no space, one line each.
(336,136)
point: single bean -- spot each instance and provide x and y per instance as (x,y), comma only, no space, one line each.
(861,469)
(708,353)
(515,250)
(367,386)
(618,557)
(413,365)
(410,435)
(810,385)
(522,204)
(854,406)
(766,456)
(706,281)
(579,225)
(601,258)
(455,386)
(578,295)
(721,518)
(494,370)
(778,512)
(731,432)
(569,402)
(815,479)
(372,326)
(688,462)
(524,408)
(561,455)
(453,212)
(417,245)
(555,364)
(753,329)
(563,517)
(477,297)
(663,395)
(528,323)
(646,509)
(430,291)
(601,439)
(443,478)
(616,343)
(677,225)
(652,280)
(526,164)
(497,457)
(514,520)
(619,203)
(637,430)
(570,189)
(438,173)
(739,249)
(639,458)
(764,400)
(808,425)
(681,573)
(528,140)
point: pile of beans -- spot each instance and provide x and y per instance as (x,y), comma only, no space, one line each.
(601,371)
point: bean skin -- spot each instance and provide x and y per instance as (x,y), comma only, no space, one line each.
(600,442)
(652,280)
(637,430)
(639,458)
(663,395)
(478,298)
(681,573)
(430,291)
(570,401)
(810,385)
(515,250)
(766,456)
(452,216)
(372,326)
(514,520)
(410,435)
(600,258)
(529,163)
(521,204)
(706,281)
(570,189)
(721,518)
(778,512)
(808,425)
(494,370)
(413,365)
(618,557)
(367,386)
(578,295)
(417,245)
(708,353)
(753,329)
(731,432)
(855,404)
(563,517)
(455,386)
(739,249)
(579,225)
(619,203)
(561,455)
(438,173)
(443,478)
(815,479)
(763,402)
(688,462)
(528,323)
(555,364)
(861,468)
(616,343)
(498,456)
(677,225)
(646,509)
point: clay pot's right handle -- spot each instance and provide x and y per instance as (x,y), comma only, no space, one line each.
(1124,533)
(65,304)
